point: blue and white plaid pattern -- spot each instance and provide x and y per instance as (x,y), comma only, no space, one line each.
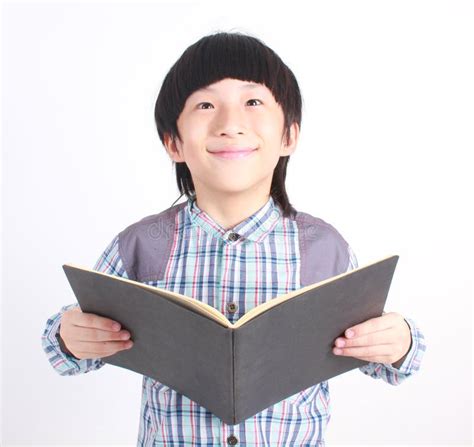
(209,266)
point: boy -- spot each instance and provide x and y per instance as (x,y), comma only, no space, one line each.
(229,114)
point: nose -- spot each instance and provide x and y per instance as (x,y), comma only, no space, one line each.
(230,121)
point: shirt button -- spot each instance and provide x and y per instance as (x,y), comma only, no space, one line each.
(233,236)
(231,307)
(232,440)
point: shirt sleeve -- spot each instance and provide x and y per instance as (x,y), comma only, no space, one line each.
(66,364)
(412,360)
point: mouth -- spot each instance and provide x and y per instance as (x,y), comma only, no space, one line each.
(234,153)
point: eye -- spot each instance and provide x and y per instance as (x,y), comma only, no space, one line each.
(208,103)
(255,100)
(198,106)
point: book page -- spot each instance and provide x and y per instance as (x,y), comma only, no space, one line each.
(212,313)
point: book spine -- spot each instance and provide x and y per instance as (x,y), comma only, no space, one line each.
(233,397)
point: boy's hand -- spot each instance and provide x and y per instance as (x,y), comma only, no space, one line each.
(384,339)
(89,336)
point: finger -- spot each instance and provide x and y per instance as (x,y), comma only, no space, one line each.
(86,334)
(374,338)
(372,325)
(97,322)
(103,348)
(365,351)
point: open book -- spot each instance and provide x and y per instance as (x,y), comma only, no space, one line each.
(275,350)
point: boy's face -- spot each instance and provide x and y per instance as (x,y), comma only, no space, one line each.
(230,114)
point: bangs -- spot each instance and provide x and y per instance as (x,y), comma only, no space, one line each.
(225,56)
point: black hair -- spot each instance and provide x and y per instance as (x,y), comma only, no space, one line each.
(228,55)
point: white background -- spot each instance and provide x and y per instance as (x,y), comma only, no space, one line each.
(383,156)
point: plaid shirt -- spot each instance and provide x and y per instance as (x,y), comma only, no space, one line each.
(204,263)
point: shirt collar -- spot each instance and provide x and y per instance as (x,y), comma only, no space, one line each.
(254,228)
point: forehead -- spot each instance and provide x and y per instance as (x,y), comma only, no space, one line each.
(226,85)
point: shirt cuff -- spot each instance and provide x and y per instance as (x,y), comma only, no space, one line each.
(410,364)
(64,364)
(412,358)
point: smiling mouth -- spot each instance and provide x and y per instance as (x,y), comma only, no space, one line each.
(234,154)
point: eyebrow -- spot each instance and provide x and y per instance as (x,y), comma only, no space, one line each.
(245,86)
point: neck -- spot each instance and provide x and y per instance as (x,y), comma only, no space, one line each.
(230,209)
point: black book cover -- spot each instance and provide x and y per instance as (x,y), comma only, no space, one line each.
(236,370)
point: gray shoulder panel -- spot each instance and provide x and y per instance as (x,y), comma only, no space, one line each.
(145,246)
(324,252)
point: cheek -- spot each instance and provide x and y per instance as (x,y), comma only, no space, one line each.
(191,135)
(274,158)
(194,144)
(272,123)
(192,130)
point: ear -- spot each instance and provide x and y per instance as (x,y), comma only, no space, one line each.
(173,148)
(288,149)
